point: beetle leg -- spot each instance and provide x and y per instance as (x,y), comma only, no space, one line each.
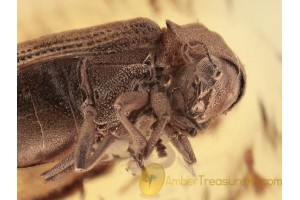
(162,109)
(53,175)
(67,165)
(85,142)
(161,149)
(184,124)
(182,144)
(123,105)
(82,160)
(86,138)
(83,148)
(99,151)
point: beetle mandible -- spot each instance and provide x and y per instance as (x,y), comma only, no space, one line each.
(88,86)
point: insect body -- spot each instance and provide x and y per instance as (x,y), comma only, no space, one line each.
(86,87)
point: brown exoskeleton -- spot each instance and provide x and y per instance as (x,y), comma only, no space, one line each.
(86,88)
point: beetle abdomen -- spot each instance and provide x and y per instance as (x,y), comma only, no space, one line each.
(49,97)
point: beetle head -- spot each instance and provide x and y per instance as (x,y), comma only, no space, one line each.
(210,77)
(210,87)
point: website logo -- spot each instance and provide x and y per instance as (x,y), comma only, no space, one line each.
(152,179)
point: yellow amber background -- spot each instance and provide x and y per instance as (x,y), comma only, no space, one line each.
(252,28)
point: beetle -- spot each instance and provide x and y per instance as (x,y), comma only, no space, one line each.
(81,91)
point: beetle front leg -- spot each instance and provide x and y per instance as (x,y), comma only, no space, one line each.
(182,144)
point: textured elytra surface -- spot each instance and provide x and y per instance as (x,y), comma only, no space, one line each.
(101,40)
(217,151)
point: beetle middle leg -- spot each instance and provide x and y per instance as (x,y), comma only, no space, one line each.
(123,105)
(162,109)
